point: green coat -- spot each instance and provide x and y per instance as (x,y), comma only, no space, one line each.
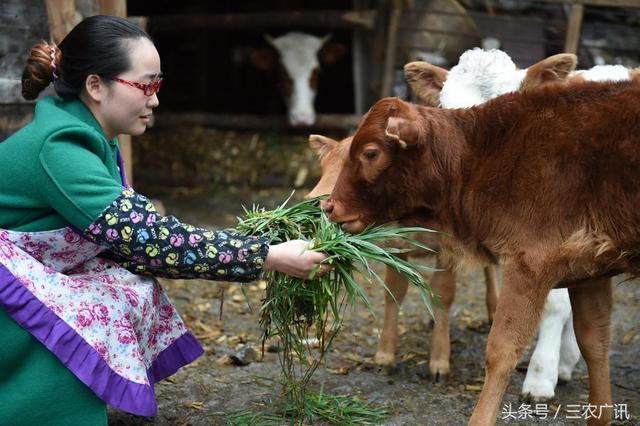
(57,171)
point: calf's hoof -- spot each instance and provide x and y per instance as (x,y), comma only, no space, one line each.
(539,390)
(439,370)
(390,370)
(385,359)
(564,377)
(564,373)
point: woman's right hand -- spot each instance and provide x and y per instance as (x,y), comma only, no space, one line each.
(293,258)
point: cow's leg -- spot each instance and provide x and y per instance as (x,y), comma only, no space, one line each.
(443,284)
(542,373)
(569,351)
(591,305)
(519,307)
(397,285)
(491,282)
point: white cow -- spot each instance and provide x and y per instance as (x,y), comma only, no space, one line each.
(482,75)
(297,57)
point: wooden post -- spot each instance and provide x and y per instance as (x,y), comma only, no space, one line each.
(119,8)
(358,58)
(114,7)
(390,49)
(62,18)
(573,29)
(375,53)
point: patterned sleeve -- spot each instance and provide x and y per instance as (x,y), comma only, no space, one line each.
(147,243)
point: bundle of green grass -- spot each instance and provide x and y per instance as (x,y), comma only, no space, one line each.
(296,311)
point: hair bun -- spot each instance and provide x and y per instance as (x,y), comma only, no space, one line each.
(41,69)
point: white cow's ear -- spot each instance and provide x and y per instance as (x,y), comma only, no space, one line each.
(553,69)
(325,39)
(426,81)
(321,145)
(269,40)
(402,131)
(332,52)
(264,59)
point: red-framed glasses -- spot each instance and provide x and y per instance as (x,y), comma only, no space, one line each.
(149,89)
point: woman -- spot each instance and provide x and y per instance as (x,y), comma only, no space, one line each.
(81,321)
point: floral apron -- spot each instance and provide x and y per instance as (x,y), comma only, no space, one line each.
(116,331)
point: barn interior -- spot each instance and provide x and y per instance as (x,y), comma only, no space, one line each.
(222,120)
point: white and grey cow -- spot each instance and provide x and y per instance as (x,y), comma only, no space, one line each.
(479,76)
(297,58)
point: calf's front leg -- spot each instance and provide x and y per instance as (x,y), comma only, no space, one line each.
(388,342)
(518,312)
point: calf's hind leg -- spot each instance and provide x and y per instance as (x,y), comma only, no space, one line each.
(491,298)
(443,284)
(591,305)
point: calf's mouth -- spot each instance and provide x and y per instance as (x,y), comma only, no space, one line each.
(353,226)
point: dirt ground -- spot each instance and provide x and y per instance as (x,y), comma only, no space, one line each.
(206,392)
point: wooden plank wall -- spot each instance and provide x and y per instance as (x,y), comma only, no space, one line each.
(22,24)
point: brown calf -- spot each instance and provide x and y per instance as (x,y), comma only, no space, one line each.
(427,81)
(332,156)
(544,180)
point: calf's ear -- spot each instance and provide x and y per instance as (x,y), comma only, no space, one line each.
(321,145)
(402,131)
(426,81)
(555,68)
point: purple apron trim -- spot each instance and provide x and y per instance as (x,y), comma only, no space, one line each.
(82,360)
(123,176)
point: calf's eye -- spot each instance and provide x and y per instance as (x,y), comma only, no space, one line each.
(370,154)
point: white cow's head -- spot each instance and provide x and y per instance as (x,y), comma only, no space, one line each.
(481,75)
(297,58)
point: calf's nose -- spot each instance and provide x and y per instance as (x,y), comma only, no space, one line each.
(302,118)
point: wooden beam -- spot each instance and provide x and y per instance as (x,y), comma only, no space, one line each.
(573,29)
(62,18)
(604,3)
(327,19)
(253,122)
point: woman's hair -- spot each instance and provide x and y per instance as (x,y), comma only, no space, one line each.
(97,45)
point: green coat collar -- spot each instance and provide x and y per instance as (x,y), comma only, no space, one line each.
(54,108)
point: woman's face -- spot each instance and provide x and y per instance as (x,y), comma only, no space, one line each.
(126,109)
